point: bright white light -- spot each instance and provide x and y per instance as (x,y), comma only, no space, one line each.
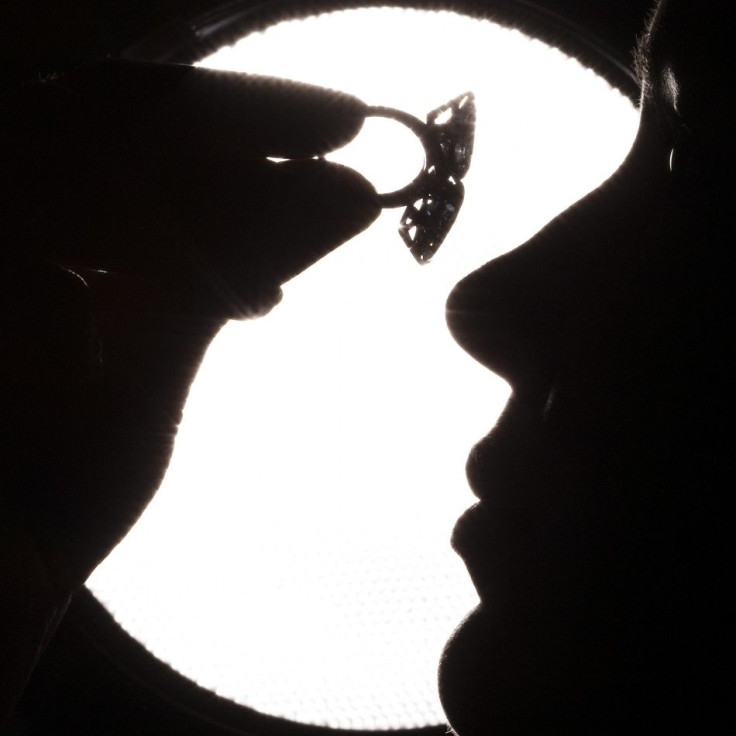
(296,558)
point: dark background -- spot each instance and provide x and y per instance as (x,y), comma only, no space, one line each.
(93,679)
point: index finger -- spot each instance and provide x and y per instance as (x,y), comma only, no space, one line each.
(209,111)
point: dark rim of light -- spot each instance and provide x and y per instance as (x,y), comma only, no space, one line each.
(187,40)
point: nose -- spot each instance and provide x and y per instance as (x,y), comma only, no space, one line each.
(512,315)
(504,315)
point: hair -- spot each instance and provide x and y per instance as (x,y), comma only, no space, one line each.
(703,33)
(643,45)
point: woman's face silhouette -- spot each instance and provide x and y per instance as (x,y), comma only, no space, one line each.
(596,542)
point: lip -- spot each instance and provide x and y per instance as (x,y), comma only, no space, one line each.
(486,539)
(508,468)
(479,459)
(492,468)
(503,550)
(475,540)
(485,476)
(505,472)
(469,528)
(467,540)
(493,457)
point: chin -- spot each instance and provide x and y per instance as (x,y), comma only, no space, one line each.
(487,680)
(463,676)
(506,678)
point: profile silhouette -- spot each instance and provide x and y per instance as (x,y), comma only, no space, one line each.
(599,544)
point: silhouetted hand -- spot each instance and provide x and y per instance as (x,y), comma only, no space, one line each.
(140,211)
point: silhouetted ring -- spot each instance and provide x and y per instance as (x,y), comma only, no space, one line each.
(432,201)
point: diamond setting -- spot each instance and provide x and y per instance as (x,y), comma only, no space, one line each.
(448,140)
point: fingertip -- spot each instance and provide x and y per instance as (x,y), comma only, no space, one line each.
(336,203)
(251,228)
(351,194)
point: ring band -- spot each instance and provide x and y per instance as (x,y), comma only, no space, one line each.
(401,197)
(433,199)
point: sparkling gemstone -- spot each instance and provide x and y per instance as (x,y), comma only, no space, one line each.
(426,223)
(455,133)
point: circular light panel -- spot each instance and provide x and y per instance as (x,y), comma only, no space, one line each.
(296,558)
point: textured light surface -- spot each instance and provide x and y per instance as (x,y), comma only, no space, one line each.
(296,558)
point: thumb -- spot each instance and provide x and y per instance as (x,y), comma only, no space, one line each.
(253,231)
